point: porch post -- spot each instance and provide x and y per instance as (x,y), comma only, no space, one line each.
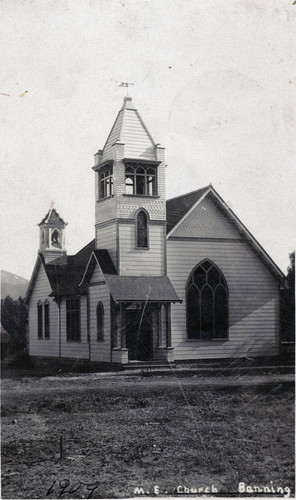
(120,353)
(122,326)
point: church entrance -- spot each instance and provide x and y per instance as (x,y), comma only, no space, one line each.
(139,334)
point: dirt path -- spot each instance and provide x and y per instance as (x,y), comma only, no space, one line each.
(106,381)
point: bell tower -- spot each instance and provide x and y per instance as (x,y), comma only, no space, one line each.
(52,236)
(130,196)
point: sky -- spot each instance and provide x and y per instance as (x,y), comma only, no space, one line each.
(214,82)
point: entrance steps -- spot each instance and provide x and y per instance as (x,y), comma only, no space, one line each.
(149,365)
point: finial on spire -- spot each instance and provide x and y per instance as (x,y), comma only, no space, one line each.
(126,84)
(51,204)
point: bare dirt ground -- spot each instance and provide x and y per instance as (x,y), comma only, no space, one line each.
(125,431)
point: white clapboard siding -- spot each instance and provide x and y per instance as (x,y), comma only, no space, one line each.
(137,262)
(106,239)
(253,299)
(114,135)
(43,347)
(99,292)
(70,349)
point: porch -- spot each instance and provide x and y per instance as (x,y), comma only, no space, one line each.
(141,333)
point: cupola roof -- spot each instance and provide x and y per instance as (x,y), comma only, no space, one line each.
(52,218)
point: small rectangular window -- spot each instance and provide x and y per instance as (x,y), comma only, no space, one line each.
(73,320)
(46,320)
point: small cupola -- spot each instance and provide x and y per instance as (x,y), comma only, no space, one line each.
(52,235)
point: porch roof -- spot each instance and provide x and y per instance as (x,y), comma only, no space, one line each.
(141,288)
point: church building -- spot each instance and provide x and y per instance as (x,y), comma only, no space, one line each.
(163,280)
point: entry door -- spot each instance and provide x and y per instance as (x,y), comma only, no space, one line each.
(139,335)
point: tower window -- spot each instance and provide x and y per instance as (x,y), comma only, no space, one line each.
(105,182)
(140,180)
(142,229)
(100,322)
(40,320)
(73,320)
(46,320)
(207,303)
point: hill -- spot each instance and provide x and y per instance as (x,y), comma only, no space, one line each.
(13,285)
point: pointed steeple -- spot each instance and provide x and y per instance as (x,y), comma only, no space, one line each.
(130,130)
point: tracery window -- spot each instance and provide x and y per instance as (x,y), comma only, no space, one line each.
(142,229)
(100,322)
(105,182)
(207,303)
(140,180)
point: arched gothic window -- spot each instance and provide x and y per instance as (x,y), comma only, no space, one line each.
(105,182)
(100,322)
(207,303)
(142,229)
(141,180)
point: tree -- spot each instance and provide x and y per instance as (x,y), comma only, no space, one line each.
(14,316)
(288,304)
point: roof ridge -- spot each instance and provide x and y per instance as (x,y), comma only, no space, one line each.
(191,192)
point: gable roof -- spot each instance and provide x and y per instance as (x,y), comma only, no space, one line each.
(180,207)
(130,129)
(64,275)
(129,288)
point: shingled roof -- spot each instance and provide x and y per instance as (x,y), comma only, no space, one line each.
(130,129)
(65,278)
(179,206)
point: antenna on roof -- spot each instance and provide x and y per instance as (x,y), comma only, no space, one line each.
(126,84)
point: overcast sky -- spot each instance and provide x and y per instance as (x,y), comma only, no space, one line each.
(214,81)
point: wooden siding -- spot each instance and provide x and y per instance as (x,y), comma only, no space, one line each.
(137,262)
(43,347)
(137,142)
(106,240)
(253,300)
(206,221)
(99,292)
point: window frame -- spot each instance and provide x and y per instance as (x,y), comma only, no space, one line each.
(39,320)
(73,310)
(133,172)
(222,284)
(46,320)
(100,334)
(141,247)
(105,182)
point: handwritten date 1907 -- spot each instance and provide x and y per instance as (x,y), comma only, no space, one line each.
(64,486)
